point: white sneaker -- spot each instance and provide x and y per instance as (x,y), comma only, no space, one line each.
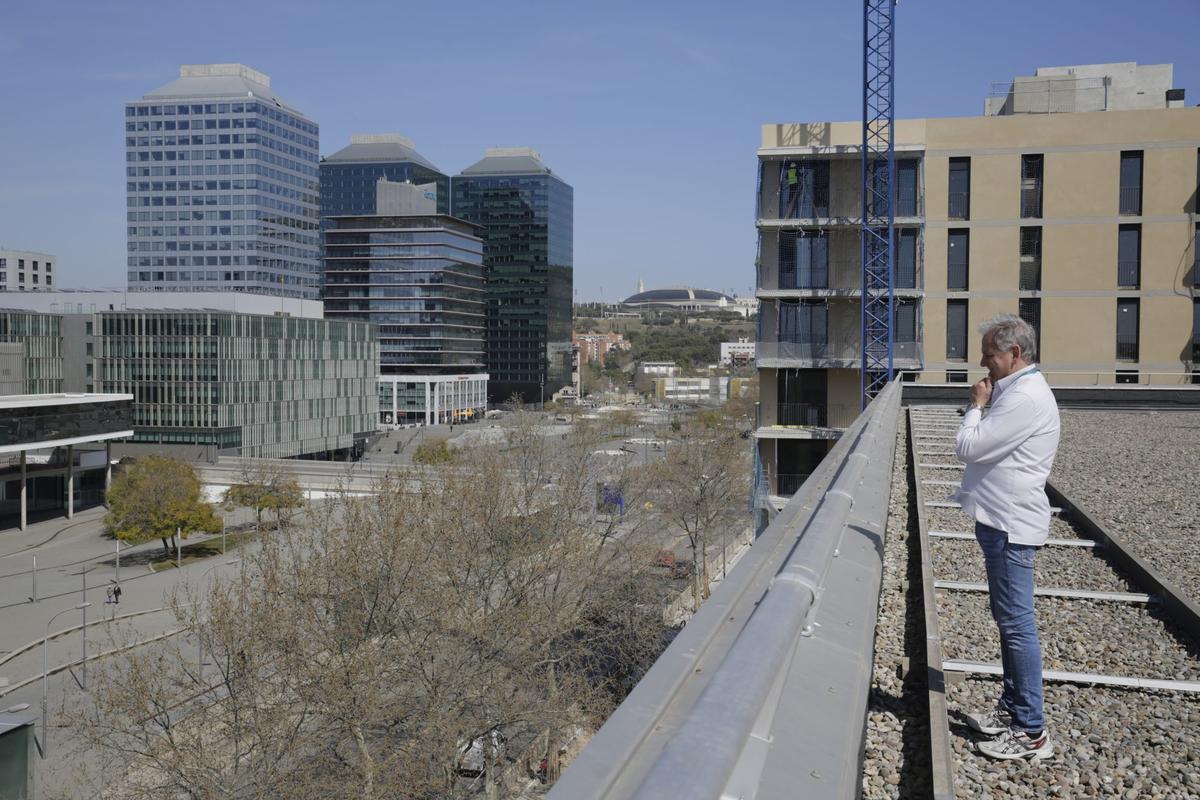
(990,723)
(1017,744)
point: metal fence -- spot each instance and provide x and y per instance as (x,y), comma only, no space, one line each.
(1131,200)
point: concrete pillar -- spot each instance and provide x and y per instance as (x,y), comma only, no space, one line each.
(428,404)
(70,481)
(24,484)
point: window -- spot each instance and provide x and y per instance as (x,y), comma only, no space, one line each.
(1030,310)
(48,266)
(956,376)
(958,248)
(907,172)
(803,260)
(1127,329)
(1031,186)
(1127,376)
(803,323)
(803,189)
(956,330)
(960,189)
(906,258)
(88,348)
(1031,259)
(1131,182)
(1129,247)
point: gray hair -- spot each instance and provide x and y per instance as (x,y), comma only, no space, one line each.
(1008,330)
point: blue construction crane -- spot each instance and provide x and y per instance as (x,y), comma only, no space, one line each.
(878,193)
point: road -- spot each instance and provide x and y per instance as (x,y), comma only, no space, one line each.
(68,553)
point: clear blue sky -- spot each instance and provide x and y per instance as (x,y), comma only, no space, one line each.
(651,110)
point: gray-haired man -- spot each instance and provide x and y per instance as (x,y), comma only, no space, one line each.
(1008,455)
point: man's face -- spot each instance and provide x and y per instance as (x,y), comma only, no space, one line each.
(999,363)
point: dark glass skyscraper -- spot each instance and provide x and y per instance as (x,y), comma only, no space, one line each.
(221,186)
(348,177)
(527,213)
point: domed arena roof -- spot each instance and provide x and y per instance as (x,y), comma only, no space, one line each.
(678,295)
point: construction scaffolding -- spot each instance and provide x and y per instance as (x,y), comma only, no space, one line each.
(878,184)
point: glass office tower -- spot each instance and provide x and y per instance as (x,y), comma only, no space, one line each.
(527,213)
(348,177)
(221,187)
(419,279)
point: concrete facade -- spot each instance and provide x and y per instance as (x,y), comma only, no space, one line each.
(1053,227)
(27,270)
(1124,86)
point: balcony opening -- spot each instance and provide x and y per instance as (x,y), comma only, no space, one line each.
(1031,186)
(803,189)
(958,259)
(795,460)
(1127,329)
(803,260)
(905,274)
(1031,259)
(802,397)
(1129,256)
(1131,182)
(956,330)
(1030,310)
(959,201)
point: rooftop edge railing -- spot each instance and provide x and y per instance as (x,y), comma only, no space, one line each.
(763,693)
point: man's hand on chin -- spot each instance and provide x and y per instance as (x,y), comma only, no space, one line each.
(981,393)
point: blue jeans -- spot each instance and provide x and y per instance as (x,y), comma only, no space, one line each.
(1010,585)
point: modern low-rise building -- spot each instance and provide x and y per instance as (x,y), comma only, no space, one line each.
(417,278)
(736,354)
(527,218)
(55,451)
(27,270)
(706,390)
(209,373)
(1082,222)
(221,186)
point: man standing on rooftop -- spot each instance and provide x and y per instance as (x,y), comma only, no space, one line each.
(1008,455)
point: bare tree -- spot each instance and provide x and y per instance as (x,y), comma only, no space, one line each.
(358,656)
(702,485)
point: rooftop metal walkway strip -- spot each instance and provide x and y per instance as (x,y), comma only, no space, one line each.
(763,694)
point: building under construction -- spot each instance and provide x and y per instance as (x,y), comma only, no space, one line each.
(1071,201)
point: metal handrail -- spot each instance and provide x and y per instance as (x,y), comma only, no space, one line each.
(708,720)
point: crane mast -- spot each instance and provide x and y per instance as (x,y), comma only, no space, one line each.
(878,194)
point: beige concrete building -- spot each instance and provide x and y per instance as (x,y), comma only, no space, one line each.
(1085,224)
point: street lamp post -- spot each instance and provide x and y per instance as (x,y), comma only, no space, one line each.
(199,638)
(46,674)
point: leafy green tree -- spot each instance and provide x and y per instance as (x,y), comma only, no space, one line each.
(154,497)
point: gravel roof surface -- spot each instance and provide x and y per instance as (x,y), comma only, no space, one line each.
(1137,474)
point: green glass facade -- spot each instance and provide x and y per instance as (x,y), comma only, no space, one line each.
(260,386)
(41,337)
(527,214)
